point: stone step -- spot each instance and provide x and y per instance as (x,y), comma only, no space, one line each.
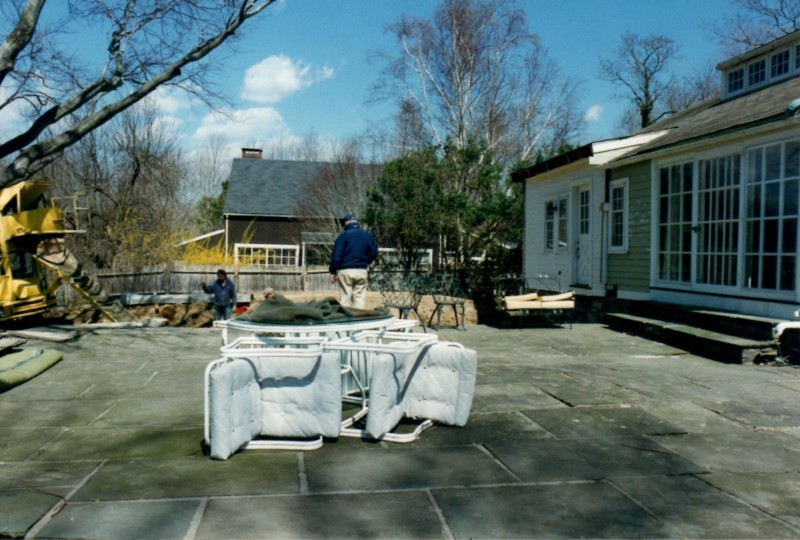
(725,322)
(707,343)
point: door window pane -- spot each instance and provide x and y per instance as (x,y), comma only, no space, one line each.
(675,219)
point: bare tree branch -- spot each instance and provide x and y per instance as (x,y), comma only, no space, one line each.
(144,52)
(640,66)
(474,74)
(20,37)
(756,22)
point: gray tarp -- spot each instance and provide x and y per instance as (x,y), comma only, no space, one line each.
(281,309)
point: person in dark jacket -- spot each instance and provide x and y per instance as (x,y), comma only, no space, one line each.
(224,295)
(353,252)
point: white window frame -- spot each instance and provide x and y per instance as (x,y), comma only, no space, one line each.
(762,175)
(757,72)
(550,211)
(262,256)
(562,223)
(780,58)
(764,69)
(556,223)
(735,80)
(621,213)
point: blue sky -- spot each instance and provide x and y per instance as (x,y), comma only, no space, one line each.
(303,66)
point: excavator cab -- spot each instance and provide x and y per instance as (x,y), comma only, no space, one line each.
(25,224)
(32,248)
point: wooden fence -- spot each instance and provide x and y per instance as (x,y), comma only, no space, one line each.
(184,279)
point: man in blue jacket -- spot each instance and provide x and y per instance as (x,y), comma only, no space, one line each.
(353,252)
(224,295)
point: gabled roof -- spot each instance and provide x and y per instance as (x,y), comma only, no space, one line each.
(715,118)
(275,188)
(264,187)
(702,121)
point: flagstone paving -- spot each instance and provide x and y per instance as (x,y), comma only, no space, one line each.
(575,432)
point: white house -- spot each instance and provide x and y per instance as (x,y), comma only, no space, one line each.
(698,209)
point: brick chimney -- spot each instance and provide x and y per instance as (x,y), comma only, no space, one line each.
(251,153)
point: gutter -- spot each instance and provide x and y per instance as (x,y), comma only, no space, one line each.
(764,125)
(559,161)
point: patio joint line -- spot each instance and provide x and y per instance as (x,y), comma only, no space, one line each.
(497,461)
(302,475)
(60,505)
(440,515)
(754,506)
(197,518)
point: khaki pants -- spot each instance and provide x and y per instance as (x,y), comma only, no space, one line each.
(353,287)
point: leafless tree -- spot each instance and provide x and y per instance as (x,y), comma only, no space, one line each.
(756,22)
(341,185)
(474,74)
(694,88)
(209,167)
(130,172)
(679,95)
(309,148)
(64,98)
(640,67)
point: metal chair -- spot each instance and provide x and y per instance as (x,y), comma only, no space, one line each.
(446,291)
(403,294)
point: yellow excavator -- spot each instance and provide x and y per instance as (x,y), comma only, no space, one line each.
(34,260)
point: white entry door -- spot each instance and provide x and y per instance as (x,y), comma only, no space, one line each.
(582,262)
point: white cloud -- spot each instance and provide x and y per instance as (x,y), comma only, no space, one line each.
(170,101)
(240,128)
(277,77)
(593,114)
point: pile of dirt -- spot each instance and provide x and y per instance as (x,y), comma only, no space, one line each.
(201,314)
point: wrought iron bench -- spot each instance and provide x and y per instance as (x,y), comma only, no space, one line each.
(540,296)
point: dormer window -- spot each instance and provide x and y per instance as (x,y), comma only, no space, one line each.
(735,80)
(757,72)
(779,64)
(767,64)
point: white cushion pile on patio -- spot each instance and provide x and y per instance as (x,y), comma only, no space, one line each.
(437,384)
(258,390)
(290,393)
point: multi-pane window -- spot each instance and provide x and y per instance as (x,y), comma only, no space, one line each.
(736,80)
(770,66)
(618,193)
(549,224)
(718,198)
(779,64)
(555,223)
(266,255)
(757,72)
(562,222)
(675,222)
(585,210)
(771,216)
